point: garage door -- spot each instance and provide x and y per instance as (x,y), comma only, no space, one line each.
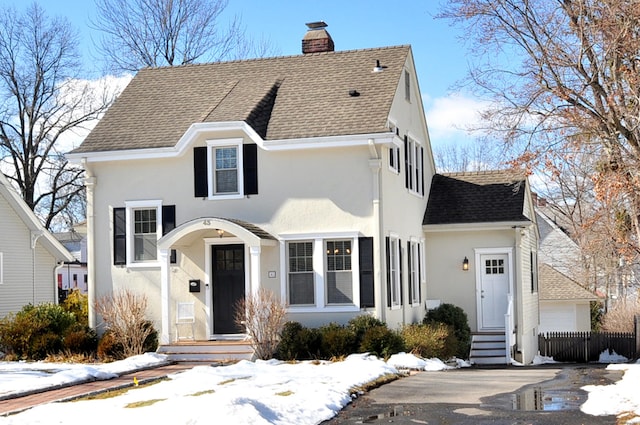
(557,318)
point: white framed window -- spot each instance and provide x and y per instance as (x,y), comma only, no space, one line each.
(300,279)
(416,270)
(394,271)
(322,272)
(339,285)
(224,159)
(1,268)
(415,173)
(144,228)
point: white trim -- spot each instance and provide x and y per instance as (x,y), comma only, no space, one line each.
(208,129)
(319,269)
(478,252)
(129,207)
(470,227)
(417,263)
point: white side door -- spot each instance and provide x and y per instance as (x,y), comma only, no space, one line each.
(494,290)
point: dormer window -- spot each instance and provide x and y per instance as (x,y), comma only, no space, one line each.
(225,169)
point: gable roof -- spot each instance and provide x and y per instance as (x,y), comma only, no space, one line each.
(556,286)
(50,243)
(280,98)
(476,197)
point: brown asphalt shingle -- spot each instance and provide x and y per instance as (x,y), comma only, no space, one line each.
(476,197)
(556,286)
(282,98)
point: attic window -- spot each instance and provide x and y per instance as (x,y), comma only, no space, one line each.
(407,86)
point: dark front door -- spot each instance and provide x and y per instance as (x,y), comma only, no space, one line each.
(228,286)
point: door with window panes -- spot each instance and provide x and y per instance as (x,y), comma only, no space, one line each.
(494,290)
(228,282)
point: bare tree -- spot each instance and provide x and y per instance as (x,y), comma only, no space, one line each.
(481,155)
(152,33)
(263,316)
(41,100)
(561,73)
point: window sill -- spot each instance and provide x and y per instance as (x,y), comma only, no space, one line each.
(149,265)
(225,197)
(326,309)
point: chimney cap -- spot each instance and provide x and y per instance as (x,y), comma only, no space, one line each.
(318,25)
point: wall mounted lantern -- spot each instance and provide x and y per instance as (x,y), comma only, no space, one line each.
(465,264)
(220,232)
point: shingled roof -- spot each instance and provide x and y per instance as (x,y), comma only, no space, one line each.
(281,98)
(476,197)
(556,286)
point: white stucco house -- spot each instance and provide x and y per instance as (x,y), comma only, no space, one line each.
(307,175)
(29,255)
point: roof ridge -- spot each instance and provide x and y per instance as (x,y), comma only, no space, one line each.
(482,172)
(336,52)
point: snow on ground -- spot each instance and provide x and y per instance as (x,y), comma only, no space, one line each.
(620,397)
(261,392)
(20,377)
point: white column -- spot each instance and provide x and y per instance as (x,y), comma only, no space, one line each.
(165,274)
(254,251)
(89,183)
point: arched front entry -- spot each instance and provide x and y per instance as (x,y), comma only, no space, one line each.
(231,265)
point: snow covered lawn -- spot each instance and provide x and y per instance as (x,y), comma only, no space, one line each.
(261,392)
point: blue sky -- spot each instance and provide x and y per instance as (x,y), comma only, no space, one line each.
(353,24)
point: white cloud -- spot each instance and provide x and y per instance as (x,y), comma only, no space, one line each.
(451,118)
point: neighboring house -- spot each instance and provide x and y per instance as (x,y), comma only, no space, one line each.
(306,175)
(486,220)
(73,274)
(29,255)
(564,303)
(565,306)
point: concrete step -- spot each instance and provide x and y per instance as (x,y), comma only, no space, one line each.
(207,351)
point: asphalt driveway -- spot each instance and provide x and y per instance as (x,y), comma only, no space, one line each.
(511,395)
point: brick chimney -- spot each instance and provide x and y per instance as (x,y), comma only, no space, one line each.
(317,39)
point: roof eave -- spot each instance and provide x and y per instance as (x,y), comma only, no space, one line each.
(485,226)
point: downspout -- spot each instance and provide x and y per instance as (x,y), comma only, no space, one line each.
(89,183)
(375,163)
(518,299)
(56,269)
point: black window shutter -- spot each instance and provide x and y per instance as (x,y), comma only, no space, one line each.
(421,181)
(406,162)
(388,253)
(400,261)
(119,236)
(409,272)
(250,168)
(200,174)
(168,224)
(367,296)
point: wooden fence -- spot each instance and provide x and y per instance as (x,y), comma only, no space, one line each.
(585,347)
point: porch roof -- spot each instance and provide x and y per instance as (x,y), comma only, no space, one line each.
(250,233)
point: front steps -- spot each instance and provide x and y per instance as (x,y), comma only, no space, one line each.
(488,348)
(207,352)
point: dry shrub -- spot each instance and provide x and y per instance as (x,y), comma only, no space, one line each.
(264,317)
(430,340)
(124,316)
(619,318)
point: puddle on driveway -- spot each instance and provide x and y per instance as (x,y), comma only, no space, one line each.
(397,411)
(539,399)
